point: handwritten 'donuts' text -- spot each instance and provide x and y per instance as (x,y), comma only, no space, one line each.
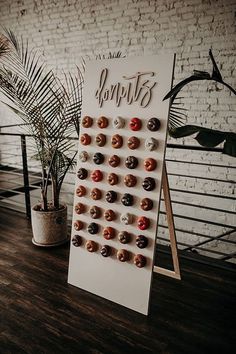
(138,89)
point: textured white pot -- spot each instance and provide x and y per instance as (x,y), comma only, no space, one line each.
(49,227)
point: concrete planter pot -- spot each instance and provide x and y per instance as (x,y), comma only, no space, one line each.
(49,227)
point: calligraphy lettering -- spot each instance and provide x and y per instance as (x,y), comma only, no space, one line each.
(138,89)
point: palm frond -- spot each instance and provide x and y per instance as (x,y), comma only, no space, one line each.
(50,108)
(204,136)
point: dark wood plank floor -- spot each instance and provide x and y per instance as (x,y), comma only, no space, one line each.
(41,313)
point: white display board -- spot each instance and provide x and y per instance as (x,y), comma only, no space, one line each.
(127,88)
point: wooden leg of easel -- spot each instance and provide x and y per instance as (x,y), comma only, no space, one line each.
(170,221)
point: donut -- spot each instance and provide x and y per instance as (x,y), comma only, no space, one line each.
(131,162)
(135,124)
(150,164)
(78,225)
(80,191)
(151,144)
(100,139)
(118,122)
(96,194)
(109,215)
(93,228)
(108,233)
(106,251)
(141,241)
(91,246)
(153,124)
(143,223)
(95,212)
(149,184)
(111,196)
(122,255)
(133,142)
(126,218)
(76,240)
(85,139)
(102,122)
(79,208)
(98,158)
(87,122)
(83,156)
(112,179)
(124,237)
(130,180)
(127,199)
(116,141)
(114,161)
(146,204)
(140,261)
(97,175)
(82,173)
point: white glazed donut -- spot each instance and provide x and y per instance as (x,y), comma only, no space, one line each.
(118,122)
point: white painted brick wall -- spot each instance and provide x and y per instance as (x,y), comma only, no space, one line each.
(66,30)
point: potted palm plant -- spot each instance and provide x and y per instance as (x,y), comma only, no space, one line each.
(51,109)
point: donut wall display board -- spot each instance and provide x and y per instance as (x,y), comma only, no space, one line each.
(118,179)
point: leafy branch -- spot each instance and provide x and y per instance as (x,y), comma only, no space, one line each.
(205,137)
(50,107)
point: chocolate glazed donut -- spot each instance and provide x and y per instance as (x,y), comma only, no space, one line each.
(101,139)
(140,261)
(141,241)
(149,184)
(124,237)
(109,215)
(130,180)
(82,173)
(87,122)
(98,158)
(116,141)
(80,208)
(112,179)
(93,228)
(131,162)
(96,194)
(114,161)
(106,251)
(133,142)
(111,196)
(123,255)
(153,124)
(95,212)
(76,240)
(102,122)
(146,204)
(80,191)
(127,199)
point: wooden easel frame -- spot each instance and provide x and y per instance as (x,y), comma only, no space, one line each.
(171,226)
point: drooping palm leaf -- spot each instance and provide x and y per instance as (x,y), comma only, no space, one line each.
(205,137)
(208,137)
